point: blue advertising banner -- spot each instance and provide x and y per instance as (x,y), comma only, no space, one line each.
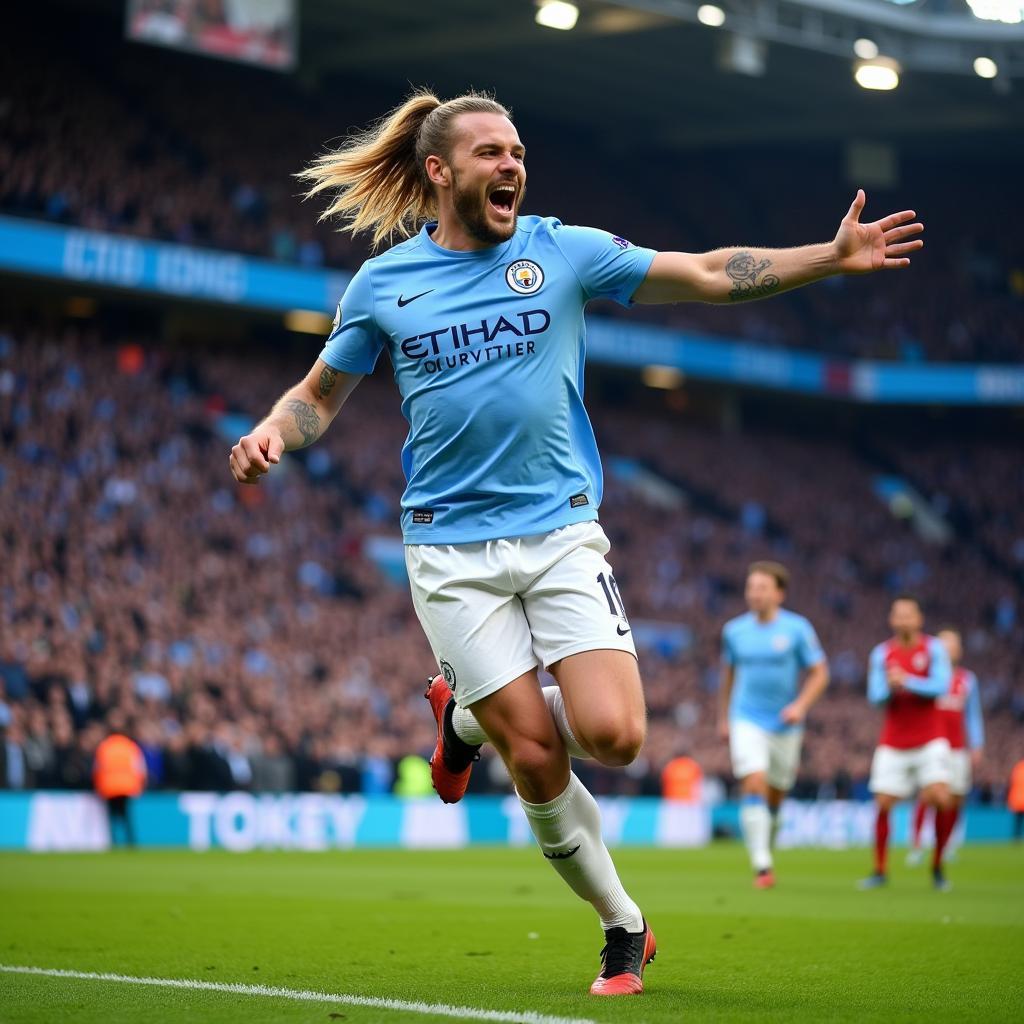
(100,258)
(118,261)
(52,821)
(239,821)
(319,821)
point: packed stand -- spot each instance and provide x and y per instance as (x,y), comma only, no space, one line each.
(247,639)
(207,157)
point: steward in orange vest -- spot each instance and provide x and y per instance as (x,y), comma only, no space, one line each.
(681,780)
(118,773)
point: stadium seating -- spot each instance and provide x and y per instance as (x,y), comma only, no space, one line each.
(207,159)
(248,640)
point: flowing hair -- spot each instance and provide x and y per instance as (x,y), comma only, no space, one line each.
(378,176)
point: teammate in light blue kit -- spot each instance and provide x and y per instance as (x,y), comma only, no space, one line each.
(763,707)
(481,314)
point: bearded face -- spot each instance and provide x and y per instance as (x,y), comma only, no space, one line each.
(488,210)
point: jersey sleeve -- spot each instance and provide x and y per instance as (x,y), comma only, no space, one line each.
(809,651)
(355,340)
(972,717)
(878,684)
(728,655)
(940,673)
(608,267)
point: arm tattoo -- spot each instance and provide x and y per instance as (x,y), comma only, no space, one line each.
(745,270)
(328,375)
(306,419)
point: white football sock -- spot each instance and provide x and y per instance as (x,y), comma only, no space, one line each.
(756,823)
(466,727)
(556,705)
(568,830)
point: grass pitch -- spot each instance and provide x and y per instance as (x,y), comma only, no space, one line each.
(497,929)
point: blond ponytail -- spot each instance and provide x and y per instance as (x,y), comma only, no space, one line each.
(378,176)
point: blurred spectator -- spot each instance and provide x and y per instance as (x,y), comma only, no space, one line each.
(681,780)
(1015,799)
(119,774)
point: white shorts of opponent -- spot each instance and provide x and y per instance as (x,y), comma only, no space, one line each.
(901,773)
(495,609)
(960,780)
(754,749)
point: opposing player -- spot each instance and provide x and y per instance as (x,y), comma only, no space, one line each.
(763,707)
(905,676)
(964,727)
(481,314)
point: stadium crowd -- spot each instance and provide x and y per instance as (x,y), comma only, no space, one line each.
(253,637)
(206,158)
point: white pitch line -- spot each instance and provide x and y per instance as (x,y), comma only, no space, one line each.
(305,996)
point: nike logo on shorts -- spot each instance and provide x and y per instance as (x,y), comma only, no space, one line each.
(403,301)
(621,631)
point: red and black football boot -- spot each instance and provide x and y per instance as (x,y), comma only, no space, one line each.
(623,959)
(452,760)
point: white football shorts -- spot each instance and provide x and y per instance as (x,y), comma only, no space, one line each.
(754,749)
(495,609)
(960,780)
(901,773)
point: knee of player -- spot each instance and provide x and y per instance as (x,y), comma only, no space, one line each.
(755,784)
(617,743)
(533,760)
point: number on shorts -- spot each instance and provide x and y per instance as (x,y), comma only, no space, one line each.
(612,595)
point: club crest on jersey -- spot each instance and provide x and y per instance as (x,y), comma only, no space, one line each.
(919,661)
(780,643)
(524,277)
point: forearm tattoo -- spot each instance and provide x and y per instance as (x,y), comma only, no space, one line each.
(306,418)
(749,280)
(328,376)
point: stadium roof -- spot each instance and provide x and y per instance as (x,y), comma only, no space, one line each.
(639,79)
(646,79)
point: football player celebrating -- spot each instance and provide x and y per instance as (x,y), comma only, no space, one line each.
(481,313)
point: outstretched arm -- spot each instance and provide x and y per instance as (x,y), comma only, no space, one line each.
(739,274)
(298,418)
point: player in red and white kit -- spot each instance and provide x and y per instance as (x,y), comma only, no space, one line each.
(960,714)
(906,674)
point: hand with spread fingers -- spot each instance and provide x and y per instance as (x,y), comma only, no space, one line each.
(883,244)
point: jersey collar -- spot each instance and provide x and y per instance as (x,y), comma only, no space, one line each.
(492,252)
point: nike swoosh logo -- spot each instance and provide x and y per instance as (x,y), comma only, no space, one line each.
(562,856)
(403,301)
(621,631)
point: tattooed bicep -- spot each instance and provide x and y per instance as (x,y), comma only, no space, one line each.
(327,379)
(330,386)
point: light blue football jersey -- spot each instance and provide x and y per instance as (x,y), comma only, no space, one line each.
(488,350)
(768,658)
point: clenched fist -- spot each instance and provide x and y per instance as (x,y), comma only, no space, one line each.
(254,454)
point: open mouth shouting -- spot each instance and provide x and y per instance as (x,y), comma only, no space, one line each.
(502,198)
